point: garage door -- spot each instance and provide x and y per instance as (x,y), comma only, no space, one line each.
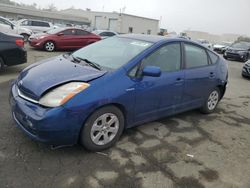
(98,22)
(112,24)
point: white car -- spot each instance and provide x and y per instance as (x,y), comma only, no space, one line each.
(205,43)
(6,26)
(105,33)
(36,26)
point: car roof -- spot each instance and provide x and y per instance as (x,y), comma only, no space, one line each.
(152,38)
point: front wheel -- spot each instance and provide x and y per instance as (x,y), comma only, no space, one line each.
(102,129)
(211,102)
(49,46)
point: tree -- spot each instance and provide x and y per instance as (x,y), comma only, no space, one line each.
(243,39)
(51,7)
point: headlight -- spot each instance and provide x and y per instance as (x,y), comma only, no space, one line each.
(62,94)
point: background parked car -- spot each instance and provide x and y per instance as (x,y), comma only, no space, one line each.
(221,47)
(238,51)
(63,38)
(12,51)
(246,70)
(205,43)
(105,33)
(6,26)
(36,26)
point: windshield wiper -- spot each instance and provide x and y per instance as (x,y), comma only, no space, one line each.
(92,64)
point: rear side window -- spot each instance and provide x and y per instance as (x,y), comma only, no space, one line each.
(69,32)
(81,32)
(195,56)
(214,58)
(168,58)
(40,24)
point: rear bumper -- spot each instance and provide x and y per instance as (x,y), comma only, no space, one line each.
(53,126)
(219,50)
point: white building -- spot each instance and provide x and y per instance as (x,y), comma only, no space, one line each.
(119,22)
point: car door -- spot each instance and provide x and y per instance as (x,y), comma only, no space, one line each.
(83,38)
(200,76)
(66,39)
(159,96)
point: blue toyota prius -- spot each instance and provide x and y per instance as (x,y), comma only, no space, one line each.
(90,96)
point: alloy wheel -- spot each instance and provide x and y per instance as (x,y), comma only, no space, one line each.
(213,99)
(49,46)
(104,129)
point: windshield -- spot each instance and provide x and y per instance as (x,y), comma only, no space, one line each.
(241,45)
(54,31)
(112,53)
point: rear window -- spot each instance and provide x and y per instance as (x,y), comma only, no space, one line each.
(195,56)
(214,58)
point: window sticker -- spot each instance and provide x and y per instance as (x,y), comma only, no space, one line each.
(137,43)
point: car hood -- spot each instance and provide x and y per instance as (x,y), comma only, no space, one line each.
(37,35)
(39,77)
(236,49)
(25,30)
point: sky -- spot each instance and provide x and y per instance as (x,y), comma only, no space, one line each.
(213,16)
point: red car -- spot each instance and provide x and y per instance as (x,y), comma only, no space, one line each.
(63,38)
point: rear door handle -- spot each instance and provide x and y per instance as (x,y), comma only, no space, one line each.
(211,75)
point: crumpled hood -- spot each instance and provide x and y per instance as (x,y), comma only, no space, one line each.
(39,77)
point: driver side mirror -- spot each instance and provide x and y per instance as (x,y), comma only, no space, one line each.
(152,71)
(12,26)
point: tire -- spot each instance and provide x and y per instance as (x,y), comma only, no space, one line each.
(1,64)
(49,46)
(25,37)
(98,134)
(211,102)
(245,58)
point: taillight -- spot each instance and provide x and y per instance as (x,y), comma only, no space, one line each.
(20,42)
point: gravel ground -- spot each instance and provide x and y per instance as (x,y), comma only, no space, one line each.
(188,150)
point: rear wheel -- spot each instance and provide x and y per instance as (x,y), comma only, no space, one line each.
(102,129)
(211,102)
(49,46)
(25,37)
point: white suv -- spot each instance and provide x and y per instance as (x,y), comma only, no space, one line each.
(36,26)
(7,26)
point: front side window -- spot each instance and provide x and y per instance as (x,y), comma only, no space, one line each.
(113,52)
(195,56)
(26,23)
(168,58)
